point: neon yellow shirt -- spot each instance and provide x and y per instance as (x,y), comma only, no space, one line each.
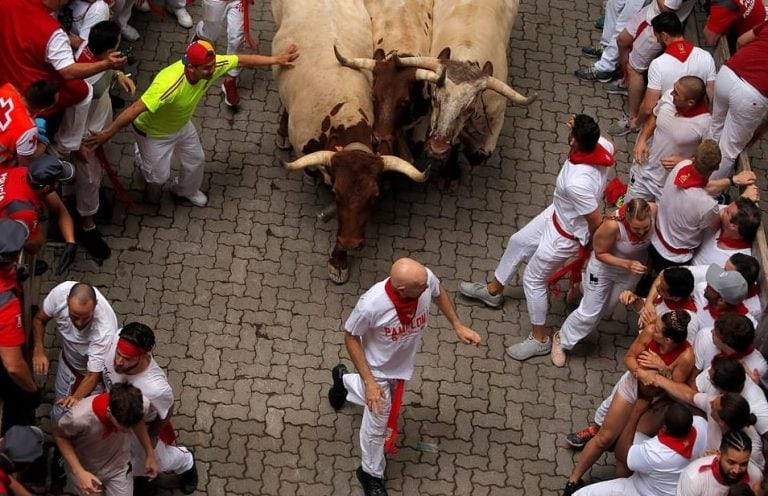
(171,99)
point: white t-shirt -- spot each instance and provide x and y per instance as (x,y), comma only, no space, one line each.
(152,382)
(751,392)
(578,192)
(709,253)
(715,435)
(698,481)
(683,217)
(84,349)
(58,52)
(674,135)
(705,350)
(86,15)
(657,467)
(665,69)
(390,348)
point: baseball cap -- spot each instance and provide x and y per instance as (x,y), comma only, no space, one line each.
(729,284)
(200,52)
(47,169)
(23,443)
(13,235)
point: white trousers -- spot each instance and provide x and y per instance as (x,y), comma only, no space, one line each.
(601,292)
(118,485)
(64,386)
(373,430)
(613,487)
(72,128)
(642,186)
(88,173)
(121,10)
(738,110)
(522,245)
(154,155)
(171,459)
(617,14)
(215,13)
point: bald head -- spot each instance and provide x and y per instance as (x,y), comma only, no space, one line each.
(82,293)
(693,88)
(408,277)
(81,304)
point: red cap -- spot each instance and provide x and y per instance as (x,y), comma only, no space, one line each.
(200,52)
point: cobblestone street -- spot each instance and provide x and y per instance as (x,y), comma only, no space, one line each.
(249,325)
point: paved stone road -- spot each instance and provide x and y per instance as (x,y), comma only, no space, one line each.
(248,323)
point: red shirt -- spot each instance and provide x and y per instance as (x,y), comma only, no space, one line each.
(738,15)
(750,63)
(15,122)
(17,198)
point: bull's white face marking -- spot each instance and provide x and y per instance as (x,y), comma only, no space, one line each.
(453,103)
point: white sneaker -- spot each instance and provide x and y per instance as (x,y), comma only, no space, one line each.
(530,347)
(197,199)
(183,17)
(141,5)
(130,33)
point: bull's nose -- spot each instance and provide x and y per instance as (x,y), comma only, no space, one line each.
(437,148)
(351,243)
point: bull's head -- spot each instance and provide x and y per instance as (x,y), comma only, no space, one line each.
(454,101)
(393,87)
(354,176)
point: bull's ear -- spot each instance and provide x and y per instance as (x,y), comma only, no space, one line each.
(488,69)
(379,55)
(445,54)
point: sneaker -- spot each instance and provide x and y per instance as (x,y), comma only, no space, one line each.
(337,395)
(229,88)
(617,88)
(600,22)
(621,127)
(581,438)
(141,5)
(557,353)
(197,198)
(130,33)
(531,347)
(372,486)
(572,487)
(479,291)
(593,52)
(592,74)
(183,17)
(188,480)
(94,244)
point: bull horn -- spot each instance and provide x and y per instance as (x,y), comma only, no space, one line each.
(437,77)
(507,91)
(358,63)
(396,164)
(316,159)
(430,63)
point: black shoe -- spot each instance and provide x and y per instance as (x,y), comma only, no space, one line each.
(572,487)
(142,486)
(372,486)
(338,393)
(188,480)
(95,245)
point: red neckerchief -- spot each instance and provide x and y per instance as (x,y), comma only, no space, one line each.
(688,177)
(700,108)
(394,413)
(405,307)
(682,446)
(599,156)
(622,216)
(753,290)
(738,355)
(680,49)
(86,56)
(739,309)
(733,243)
(99,406)
(686,304)
(715,467)
(5,482)
(672,354)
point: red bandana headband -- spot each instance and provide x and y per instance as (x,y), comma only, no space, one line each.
(129,349)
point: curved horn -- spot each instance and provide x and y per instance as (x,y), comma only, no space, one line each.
(430,63)
(396,164)
(315,159)
(367,64)
(507,91)
(437,77)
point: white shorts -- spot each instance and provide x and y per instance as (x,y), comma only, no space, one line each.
(645,48)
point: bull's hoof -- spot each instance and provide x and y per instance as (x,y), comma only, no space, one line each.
(338,275)
(282,143)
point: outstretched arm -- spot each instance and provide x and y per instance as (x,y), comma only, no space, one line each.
(126,117)
(286,58)
(464,333)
